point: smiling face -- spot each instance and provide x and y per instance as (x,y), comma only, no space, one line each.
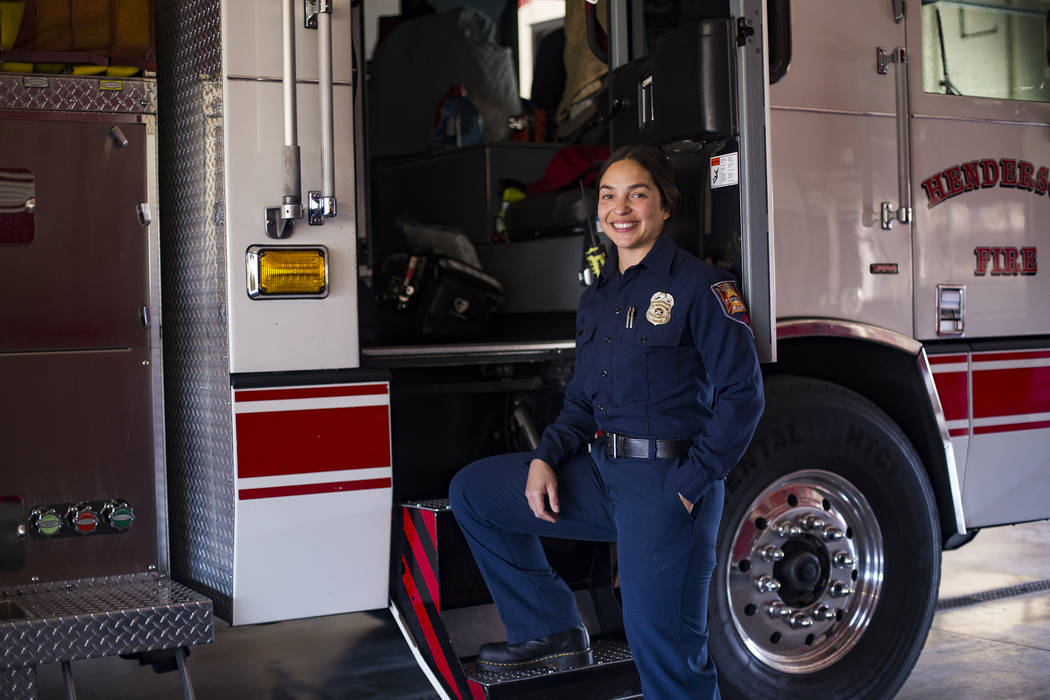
(630,210)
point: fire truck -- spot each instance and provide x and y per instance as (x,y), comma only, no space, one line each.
(257,313)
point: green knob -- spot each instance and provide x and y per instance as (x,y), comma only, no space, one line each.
(49,523)
(118,514)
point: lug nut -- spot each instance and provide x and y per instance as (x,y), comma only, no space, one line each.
(767,584)
(799,621)
(777,609)
(786,528)
(771,553)
(824,613)
(812,522)
(840,589)
(832,533)
(842,560)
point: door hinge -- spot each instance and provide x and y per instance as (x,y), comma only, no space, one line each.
(884,57)
(143,211)
(744,31)
(144,316)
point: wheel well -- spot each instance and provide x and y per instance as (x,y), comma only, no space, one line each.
(896,387)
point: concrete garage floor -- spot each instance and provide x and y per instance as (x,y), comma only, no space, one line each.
(997,649)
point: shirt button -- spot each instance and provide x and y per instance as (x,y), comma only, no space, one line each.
(608,339)
(645,338)
(604,373)
(601,407)
(617,309)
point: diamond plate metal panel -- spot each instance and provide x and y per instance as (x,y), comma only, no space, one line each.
(606,651)
(89,618)
(18,683)
(67,93)
(198,414)
(434,504)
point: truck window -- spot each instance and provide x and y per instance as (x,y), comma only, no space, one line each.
(986,48)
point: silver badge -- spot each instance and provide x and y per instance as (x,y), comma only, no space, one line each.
(659,311)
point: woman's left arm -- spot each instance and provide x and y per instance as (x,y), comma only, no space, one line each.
(727,349)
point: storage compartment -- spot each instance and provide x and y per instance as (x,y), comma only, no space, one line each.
(458,187)
(79,349)
(680,96)
(534,254)
(681,91)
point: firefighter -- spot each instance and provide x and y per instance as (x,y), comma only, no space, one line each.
(666,374)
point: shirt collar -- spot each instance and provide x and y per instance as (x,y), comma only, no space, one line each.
(661,255)
(659,259)
(611,267)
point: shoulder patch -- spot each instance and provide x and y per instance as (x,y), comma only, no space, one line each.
(732,302)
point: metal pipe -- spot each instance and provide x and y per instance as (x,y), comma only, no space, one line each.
(523,419)
(288,71)
(324,44)
(904,212)
(67,679)
(290,164)
(184,674)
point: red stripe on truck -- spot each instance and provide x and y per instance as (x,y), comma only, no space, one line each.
(952,389)
(1011,392)
(429,636)
(276,443)
(426,567)
(308,489)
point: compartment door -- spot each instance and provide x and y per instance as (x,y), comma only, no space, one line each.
(980,96)
(835,161)
(697,87)
(76,408)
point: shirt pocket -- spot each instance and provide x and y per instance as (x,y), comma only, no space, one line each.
(584,336)
(662,351)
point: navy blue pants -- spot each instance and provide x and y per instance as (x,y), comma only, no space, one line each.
(666,557)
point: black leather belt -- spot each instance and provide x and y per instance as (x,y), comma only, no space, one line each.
(638,448)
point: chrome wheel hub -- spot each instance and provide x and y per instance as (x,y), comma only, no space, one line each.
(805,571)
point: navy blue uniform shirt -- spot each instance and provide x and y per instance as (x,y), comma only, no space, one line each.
(681,365)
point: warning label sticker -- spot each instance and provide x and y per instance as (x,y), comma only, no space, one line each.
(723,170)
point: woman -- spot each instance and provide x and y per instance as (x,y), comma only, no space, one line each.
(666,370)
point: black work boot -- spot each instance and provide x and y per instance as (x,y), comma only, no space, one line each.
(568,649)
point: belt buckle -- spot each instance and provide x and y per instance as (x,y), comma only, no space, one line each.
(617,445)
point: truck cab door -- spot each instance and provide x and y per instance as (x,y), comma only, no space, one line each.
(981,103)
(836,159)
(694,81)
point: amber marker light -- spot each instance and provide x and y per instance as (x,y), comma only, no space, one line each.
(277,272)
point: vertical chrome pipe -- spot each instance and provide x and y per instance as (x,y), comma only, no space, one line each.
(904,212)
(324,53)
(67,679)
(291,170)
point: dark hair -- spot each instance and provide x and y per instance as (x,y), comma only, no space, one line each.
(657,164)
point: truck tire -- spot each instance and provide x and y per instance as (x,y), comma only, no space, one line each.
(828,552)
